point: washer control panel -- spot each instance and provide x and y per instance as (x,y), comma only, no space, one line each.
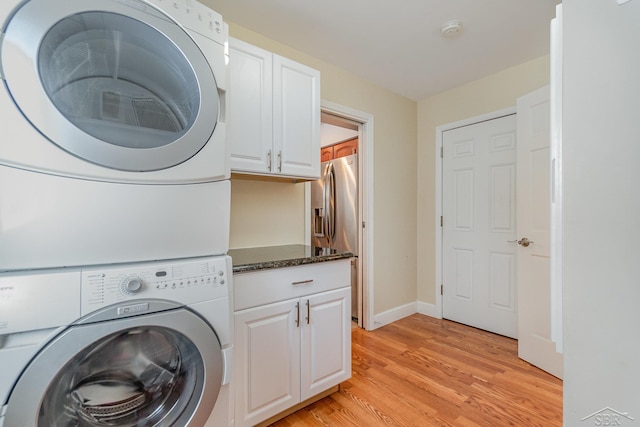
(184,282)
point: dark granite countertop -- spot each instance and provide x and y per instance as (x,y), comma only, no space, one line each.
(252,259)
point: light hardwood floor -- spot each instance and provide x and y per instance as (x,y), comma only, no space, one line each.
(421,371)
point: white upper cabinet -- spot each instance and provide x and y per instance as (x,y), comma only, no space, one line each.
(273,114)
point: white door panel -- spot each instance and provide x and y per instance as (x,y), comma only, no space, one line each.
(325,341)
(267,376)
(534,212)
(479,185)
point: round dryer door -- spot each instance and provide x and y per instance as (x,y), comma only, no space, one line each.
(116,83)
(163,369)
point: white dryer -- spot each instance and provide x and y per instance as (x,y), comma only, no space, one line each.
(113,132)
(144,344)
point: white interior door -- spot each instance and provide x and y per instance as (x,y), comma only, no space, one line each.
(534,214)
(479,220)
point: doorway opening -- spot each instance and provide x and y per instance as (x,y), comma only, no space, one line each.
(347,136)
(512,210)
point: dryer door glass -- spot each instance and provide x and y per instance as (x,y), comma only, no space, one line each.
(141,376)
(116,83)
(119,80)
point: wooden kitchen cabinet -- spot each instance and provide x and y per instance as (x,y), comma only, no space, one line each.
(345,148)
(341,149)
(326,153)
(288,351)
(273,114)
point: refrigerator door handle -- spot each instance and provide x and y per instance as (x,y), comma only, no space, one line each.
(332,204)
(325,202)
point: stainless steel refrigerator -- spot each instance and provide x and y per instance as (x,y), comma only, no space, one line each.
(334,212)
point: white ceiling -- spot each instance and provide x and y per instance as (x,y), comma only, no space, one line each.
(397,44)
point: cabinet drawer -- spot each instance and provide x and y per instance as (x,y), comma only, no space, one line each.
(267,286)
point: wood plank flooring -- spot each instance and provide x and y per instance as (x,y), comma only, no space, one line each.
(421,371)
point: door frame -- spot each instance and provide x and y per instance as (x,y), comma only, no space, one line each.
(437,312)
(365,206)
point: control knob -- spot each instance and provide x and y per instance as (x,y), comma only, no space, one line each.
(131,285)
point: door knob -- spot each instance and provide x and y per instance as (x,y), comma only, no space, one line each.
(524,242)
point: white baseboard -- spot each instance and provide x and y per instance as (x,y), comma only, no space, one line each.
(394,314)
(402,311)
(429,309)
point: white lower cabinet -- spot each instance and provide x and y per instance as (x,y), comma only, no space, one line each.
(267,368)
(291,350)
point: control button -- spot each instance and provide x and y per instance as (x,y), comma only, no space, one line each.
(131,285)
(220,273)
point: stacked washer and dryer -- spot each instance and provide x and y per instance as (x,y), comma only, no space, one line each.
(114,215)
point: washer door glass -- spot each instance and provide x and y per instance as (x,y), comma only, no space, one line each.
(140,376)
(124,87)
(162,369)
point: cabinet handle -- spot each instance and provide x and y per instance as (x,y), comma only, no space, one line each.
(280,161)
(308,312)
(302,282)
(298,315)
(269,160)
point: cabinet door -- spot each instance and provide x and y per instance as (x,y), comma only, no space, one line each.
(345,148)
(267,361)
(326,153)
(325,341)
(296,128)
(249,107)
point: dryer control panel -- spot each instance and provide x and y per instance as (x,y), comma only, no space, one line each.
(195,16)
(184,282)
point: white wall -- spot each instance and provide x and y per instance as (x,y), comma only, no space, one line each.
(266,213)
(601,161)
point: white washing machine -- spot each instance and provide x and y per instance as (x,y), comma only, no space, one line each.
(141,344)
(113,132)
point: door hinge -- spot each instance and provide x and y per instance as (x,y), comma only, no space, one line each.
(442,152)
(441,221)
(441,289)
(363,224)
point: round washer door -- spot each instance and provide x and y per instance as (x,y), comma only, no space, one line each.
(163,369)
(115,83)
